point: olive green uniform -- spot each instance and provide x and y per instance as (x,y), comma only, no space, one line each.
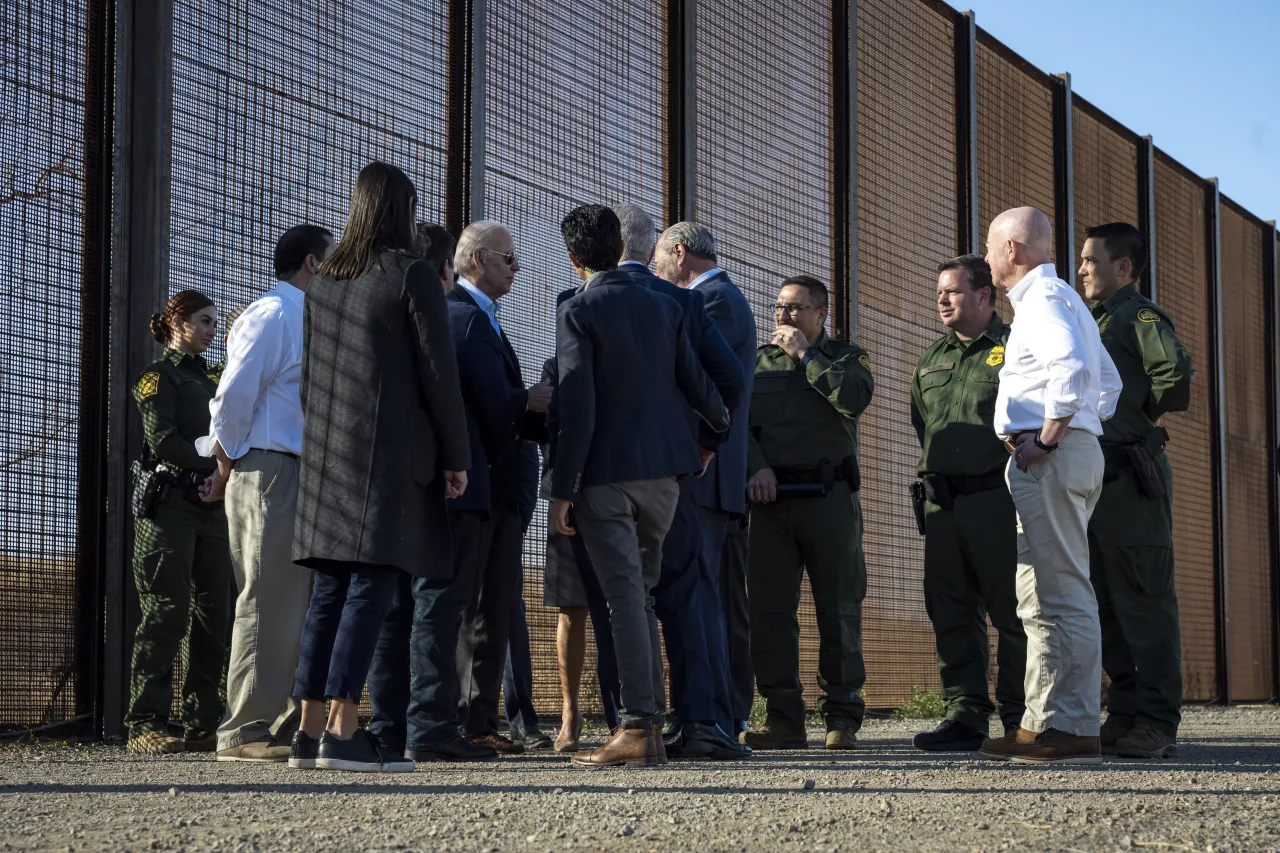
(1131,536)
(802,420)
(971,546)
(181,559)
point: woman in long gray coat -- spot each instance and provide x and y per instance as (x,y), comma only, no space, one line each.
(384,445)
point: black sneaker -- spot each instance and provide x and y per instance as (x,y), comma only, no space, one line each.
(358,755)
(303,753)
(950,736)
(455,749)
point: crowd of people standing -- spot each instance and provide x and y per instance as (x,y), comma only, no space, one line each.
(341,504)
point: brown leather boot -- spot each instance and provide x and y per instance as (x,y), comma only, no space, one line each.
(1001,748)
(632,747)
(658,746)
(1055,747)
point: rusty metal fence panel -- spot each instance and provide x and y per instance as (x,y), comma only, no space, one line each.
(574,114)
(1248,509)
(1182,289)
(1105,172)
(906,225)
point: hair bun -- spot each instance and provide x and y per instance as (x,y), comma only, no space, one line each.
(159,329)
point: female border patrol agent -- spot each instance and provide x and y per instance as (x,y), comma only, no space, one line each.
(181,557)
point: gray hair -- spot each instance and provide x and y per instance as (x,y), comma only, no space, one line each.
(638,233)
(477,235)
(697,239)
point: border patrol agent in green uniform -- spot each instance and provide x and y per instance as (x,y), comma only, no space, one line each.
(964,509)
(181,559)
(803,463)
(1131,532)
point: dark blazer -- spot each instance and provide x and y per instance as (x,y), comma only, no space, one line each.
(497,398)
(724,486)
(627,373)
(384,418)
(714,354)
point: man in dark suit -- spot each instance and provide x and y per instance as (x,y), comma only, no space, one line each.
(627,375)
(687,600)
(487,264)
(686,255)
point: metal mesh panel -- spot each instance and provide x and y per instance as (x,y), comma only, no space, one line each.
(906,225)
(1182,289)
(266,136)
(1015,140)
(574,115)
(1105,169)
(41,115)
(764,165)
(1248,507)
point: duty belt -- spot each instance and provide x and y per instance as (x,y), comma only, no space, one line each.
(818,481)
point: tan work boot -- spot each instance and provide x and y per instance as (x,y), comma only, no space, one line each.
(632,747)
(1001,748)
(1144,741)
(155,743)
(1112,730)
(776,735)
(265,751)
(841,734)
(1055,747)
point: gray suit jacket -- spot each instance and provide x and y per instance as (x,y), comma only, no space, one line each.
(384,418)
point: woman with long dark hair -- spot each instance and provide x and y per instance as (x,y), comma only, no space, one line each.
(384,445)
(181,558)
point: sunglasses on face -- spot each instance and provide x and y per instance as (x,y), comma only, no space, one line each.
(509,257)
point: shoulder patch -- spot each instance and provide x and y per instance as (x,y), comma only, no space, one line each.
(996,357)
(865,362)
(1146,315)
(213,377)
(1106,321)
(148,385)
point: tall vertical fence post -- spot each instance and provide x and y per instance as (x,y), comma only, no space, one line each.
(464,159)
(681,72)
(1064,179)
(1147,212)
(1272,329)
(1218,435)
(966,54)
(844,185)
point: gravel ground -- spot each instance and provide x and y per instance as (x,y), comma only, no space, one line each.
(1221,793)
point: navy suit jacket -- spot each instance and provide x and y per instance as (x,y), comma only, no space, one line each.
(724,486)
(627,373)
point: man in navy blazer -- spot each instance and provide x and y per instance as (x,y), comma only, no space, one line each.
(627,373)
(687,599)
(686,256)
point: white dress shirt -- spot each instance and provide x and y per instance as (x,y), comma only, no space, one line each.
(257,406)
(489,306)
(693,285)
(1054,364)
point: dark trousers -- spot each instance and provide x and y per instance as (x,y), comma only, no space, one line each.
(421,634)
(344,619)
(725,550)
(517,677)
(601,627)
(679,600)
(486,623)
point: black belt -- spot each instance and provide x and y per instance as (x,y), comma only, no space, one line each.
(942,490)
(818,481)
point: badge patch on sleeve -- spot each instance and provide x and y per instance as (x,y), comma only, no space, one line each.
(865,362)
(1146,315)
(148,385)
(213,377)
(996,358)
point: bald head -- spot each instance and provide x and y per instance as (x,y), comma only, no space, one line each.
(1018,241)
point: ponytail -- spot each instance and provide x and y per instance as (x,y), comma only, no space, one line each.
(182,305)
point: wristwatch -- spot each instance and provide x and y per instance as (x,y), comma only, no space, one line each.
(808,356)
(1047,448)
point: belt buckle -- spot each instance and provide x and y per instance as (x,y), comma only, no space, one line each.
(1009,445)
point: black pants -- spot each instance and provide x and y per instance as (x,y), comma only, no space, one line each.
(348,604)
(732,561)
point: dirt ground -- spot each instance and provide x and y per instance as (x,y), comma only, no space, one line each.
(1222,793)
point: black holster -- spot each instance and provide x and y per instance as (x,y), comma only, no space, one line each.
(151,486)
(917,503)
(936,488)
(1139,459)
(818,482)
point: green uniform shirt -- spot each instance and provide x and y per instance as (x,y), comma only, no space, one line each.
(173,396)
(953,403)
(804,417)
(1154,365)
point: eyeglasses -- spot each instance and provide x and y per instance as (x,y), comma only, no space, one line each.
(781,308)
(510,257)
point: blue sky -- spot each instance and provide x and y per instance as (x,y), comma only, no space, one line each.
(1203,79)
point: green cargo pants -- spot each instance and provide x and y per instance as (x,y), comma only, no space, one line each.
(1131,566)
(821,536)
(970,573)
(182,570)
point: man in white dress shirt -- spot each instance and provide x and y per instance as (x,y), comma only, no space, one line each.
(255,432)
(1057,386)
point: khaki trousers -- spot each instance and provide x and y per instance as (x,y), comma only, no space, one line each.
(1056,601)
(262,500)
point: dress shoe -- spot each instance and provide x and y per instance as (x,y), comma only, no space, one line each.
(303,753)
(1000,748)
(531,738)
(950,736)
(658,746)
(776,735)
(359,754)
(570,735)
(637,747)
(1054,747)
(713,743)
(201,742)
(262,751)
(454,749)
(503,745)
(1146,742)
(1112,730)
(842,734)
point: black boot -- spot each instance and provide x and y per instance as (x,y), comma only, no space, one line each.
(455,749)
(951,736)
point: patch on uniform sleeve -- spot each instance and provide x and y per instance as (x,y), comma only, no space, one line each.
(1102,326)
(996,357)
(213,377)
(148,386)
(1146,315)
(865,362)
